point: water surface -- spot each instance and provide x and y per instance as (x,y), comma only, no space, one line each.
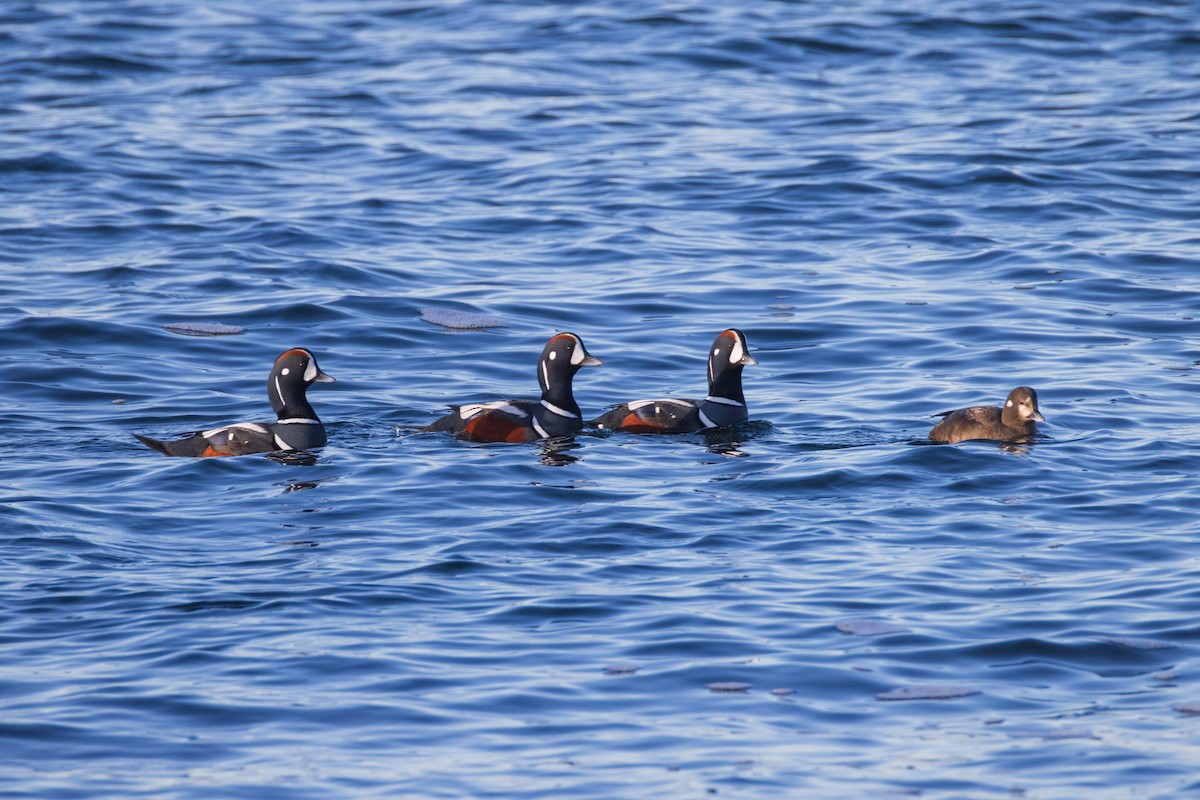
(907,210)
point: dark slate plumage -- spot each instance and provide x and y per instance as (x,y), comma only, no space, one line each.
(555,414)
(296,426)
(724,405)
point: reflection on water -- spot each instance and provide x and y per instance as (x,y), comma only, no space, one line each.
(556,451)
(294,458)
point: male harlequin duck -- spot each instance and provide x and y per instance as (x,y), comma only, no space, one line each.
(555,414)
(297,426)
(1017,420)
(725,404)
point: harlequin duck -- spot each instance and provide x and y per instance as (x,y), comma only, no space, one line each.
(555,414)
(297,426)
(724,405)
(1017,420)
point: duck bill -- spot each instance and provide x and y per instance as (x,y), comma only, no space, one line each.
(748,361)
(590,361)
(323,378)
(1037,417)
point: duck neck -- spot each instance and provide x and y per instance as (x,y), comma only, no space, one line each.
(298,408)
(558,392)
(727,385)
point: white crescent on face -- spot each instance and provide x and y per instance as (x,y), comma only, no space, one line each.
(577,355)
(738,352)
(310,371)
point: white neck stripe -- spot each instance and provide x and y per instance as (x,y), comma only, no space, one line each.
(297,421)
(723,400)
(708,423)
(562,412)
(541,431)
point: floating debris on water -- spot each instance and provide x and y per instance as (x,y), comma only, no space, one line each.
(729,687)
(1139,644)
(461,320)
(870,627)
(930,692)
(1056,734)
(621,669)
(203,329)
(1192,708)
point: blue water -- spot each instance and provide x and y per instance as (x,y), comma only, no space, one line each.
(907,207)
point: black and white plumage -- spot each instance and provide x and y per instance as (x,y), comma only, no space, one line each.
(296,426)
(725,404)
(1016,421)
(555,414)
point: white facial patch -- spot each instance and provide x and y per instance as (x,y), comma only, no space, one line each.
(1008,404)
(284,371)
(553,355)
(737,353)
(577,355)
(310,372)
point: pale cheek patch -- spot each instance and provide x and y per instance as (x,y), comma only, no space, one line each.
(553,355)
(737,353)
(310,372)
(577,355)
(1008,404)
(284,371)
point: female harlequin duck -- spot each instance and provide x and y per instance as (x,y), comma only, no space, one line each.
(1016,421)
(725,404)
(556,414)
(297,426)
